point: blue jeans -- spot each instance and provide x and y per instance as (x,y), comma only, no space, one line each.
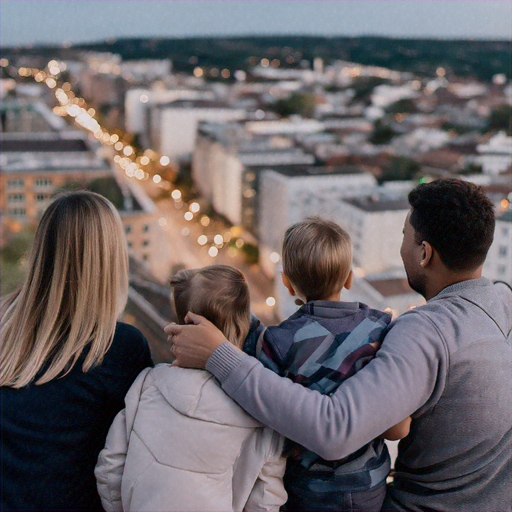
(335,501)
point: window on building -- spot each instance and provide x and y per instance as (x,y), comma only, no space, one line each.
(503,250)
(145,228)
(129,245)
(43,182)
(502,270)
(504,231)
(15,183)
(145,243)
(17,212)
(145,257)
(42,197)
(16,198)
(127,229)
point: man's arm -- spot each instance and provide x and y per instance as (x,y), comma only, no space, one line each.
(398,431)
(407,376)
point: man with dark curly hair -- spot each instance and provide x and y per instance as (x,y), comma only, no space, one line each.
(447,364)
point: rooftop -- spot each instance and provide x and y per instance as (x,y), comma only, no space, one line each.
(317,170)
(379,203)
(43,145)
(391,287)
(195,104)
(506,217)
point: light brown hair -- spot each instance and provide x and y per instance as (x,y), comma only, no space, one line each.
(74,291)
(217,292)
(317,257)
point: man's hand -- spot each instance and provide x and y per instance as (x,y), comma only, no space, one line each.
(194,343)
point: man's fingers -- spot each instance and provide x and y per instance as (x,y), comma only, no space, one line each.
(172,329)
(192,318)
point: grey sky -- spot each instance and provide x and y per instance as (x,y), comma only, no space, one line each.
(55,21)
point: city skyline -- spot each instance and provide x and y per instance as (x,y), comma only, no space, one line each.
(94,20)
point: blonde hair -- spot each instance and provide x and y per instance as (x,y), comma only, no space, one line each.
(74,291)
(220,294)
(317,257)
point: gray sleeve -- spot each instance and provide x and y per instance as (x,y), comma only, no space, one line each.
(406,378)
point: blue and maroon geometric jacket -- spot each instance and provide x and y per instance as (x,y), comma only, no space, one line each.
(320,346)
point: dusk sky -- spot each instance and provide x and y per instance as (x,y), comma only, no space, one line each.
(55,21)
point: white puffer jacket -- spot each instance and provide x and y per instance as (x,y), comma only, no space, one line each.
(181,444)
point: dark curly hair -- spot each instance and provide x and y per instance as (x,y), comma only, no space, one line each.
(457,218)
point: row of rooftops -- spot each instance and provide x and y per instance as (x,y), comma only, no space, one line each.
(56,149)
(39,144)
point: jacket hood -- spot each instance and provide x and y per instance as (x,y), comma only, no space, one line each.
(197,394)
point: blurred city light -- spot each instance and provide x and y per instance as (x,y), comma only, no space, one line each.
(274,257)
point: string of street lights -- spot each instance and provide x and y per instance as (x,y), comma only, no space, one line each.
(70,105)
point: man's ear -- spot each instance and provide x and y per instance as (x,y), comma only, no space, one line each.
(348,282)
(427,251)
(287,283)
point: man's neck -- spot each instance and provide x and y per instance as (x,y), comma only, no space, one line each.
(447,279)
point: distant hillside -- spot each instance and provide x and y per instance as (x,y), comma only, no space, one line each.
(481,59)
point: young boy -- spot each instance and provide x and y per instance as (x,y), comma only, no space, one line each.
(181,443)
(322,344)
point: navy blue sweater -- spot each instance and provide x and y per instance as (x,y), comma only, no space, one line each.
(51,434)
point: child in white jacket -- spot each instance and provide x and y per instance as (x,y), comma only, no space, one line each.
(181,444)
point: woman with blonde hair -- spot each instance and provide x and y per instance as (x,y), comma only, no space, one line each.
(65,361)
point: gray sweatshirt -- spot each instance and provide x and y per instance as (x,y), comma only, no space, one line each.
(447,364)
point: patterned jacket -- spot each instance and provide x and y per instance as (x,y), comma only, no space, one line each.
(321,345)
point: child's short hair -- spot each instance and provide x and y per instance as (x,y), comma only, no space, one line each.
(217,292)
(317,257)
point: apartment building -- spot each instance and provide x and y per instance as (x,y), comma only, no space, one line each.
(227,162)
(173,126)
(288,195)
(498,265)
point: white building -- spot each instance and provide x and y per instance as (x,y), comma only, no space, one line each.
(139,101)
(226,164)
(290,195)
(174,126)
(375,223)
(496,155)
(146,69)
(420,140)
(499,259)
(385,95)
